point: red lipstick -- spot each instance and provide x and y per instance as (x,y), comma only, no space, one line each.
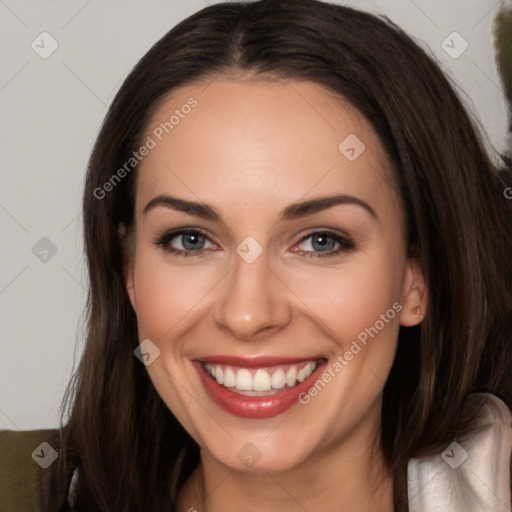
(255,407)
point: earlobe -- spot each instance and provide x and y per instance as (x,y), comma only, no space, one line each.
(414,295)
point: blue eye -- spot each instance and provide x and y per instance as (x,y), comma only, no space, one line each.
(193,243)
(325,241)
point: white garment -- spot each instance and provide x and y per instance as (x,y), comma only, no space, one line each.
(472,475)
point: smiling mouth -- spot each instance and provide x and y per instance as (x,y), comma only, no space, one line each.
(265,381)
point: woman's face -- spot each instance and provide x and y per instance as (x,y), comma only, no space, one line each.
(295,308)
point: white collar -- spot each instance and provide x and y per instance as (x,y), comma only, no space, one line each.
(472,475)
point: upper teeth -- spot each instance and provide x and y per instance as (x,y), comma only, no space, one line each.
(260,379)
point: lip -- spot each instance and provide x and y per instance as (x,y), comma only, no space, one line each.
(255,407)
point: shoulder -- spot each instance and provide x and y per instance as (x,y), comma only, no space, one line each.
(472,473)
(24,456)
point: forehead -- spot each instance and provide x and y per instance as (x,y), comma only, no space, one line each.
(263,143)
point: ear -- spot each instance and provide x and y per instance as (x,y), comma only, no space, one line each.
(128,262)
(414,295)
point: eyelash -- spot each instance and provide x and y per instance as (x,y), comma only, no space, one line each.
(163,240)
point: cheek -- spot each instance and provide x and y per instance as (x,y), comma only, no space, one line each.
(165,293)
(352,297)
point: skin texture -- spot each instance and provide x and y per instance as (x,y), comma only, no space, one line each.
(250,148)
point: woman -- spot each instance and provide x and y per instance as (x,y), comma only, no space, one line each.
(300,289)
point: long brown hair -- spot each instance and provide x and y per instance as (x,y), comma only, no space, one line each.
(131,452)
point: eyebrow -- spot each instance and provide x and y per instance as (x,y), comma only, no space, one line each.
(292,211)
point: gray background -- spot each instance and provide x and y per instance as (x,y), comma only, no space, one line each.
(51,112)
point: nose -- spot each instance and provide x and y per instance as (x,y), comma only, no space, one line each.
(253,301)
